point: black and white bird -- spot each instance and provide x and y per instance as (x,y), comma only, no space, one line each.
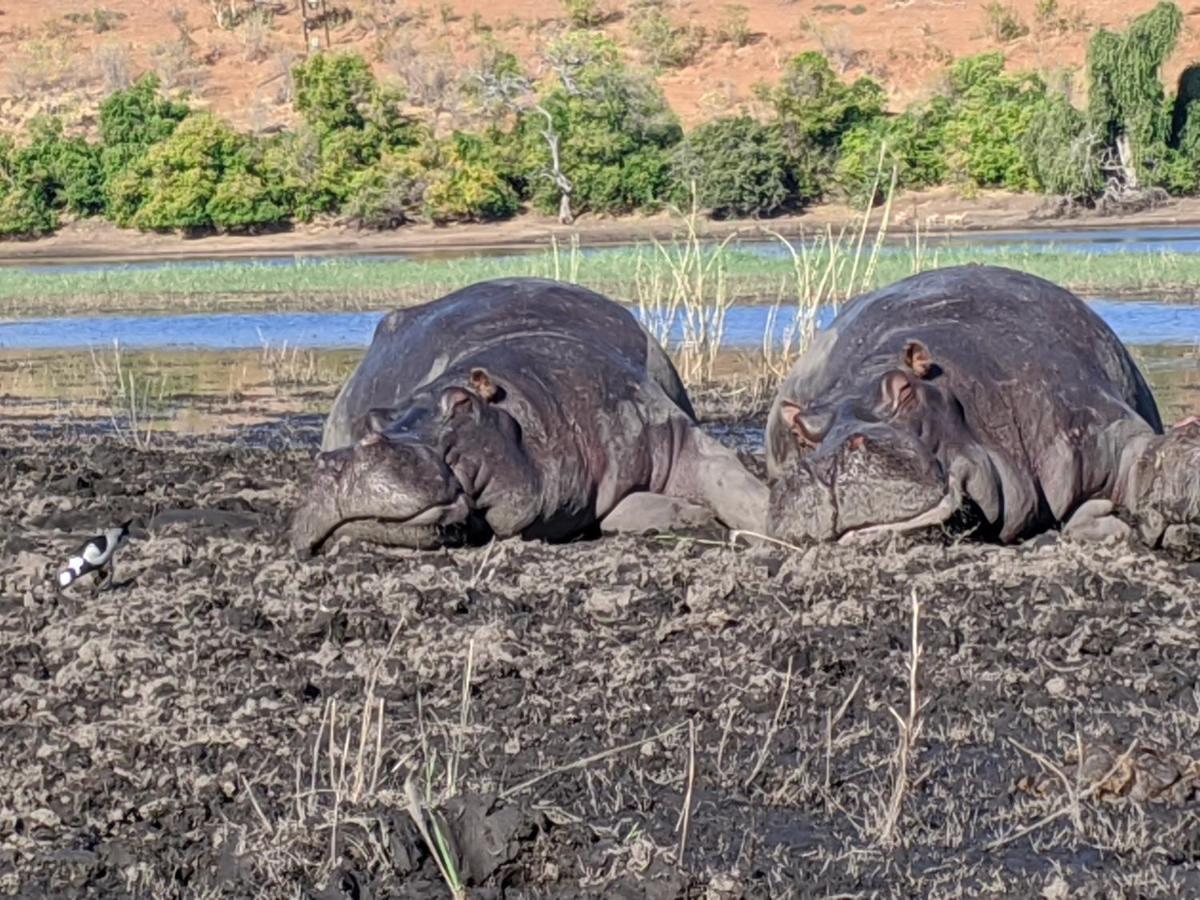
(96,555)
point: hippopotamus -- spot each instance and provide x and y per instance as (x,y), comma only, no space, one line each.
(517,407)
(974,398)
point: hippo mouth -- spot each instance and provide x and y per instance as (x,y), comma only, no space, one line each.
(939,514)
(438,525)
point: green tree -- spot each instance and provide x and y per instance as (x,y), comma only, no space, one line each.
(350,123)
(991,113)
(25,208)
(598,137)
(913,143)
(1127,105)
(134,120)
(739,166)
(46,176)
(815,109)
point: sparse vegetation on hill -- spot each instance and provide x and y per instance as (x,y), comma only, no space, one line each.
(593,134)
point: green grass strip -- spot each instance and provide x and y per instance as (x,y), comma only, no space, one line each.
(356,283)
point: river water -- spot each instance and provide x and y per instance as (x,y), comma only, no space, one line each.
(1134,321)
(1165,336)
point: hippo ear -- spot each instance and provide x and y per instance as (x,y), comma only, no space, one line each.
(918,358)
(482,382)
(898,391)
(808,428)
(452,399)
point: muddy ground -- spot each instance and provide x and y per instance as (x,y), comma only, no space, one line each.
(227,721)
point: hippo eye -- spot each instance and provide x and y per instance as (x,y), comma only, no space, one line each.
(898,392)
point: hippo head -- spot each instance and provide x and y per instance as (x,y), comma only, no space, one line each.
(1159,483)
(893,453)
(423,476)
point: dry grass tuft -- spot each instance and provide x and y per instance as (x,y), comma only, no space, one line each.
(909,727)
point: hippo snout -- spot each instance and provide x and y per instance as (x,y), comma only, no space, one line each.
(801,506)
(870,478)
(382,490)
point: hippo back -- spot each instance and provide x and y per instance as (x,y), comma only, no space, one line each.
(1028,360)
(533,329)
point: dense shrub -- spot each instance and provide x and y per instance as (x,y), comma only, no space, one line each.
(991,114)
(663,44)
(203,176)
(387,194)
(47,176)
(584,13)
(739,166)
(1060,148)
(913,144)
(134,120)
(25,210)
(469,182)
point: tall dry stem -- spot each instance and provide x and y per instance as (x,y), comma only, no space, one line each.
(909,729)
(690,297)
(827,269)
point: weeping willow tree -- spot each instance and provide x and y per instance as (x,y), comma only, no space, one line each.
(1062,151)
(1127,106)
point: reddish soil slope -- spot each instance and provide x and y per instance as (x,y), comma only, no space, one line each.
(63,57)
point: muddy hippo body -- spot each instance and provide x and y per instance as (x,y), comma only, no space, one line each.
(977,390)
(517,407)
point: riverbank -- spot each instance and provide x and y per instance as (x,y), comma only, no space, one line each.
(934,212)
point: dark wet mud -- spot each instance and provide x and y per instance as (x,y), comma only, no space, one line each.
(656,717)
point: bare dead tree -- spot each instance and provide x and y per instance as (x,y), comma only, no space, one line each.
(515,92)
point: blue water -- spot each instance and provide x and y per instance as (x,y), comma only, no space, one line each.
(1135,322)
(1140,240)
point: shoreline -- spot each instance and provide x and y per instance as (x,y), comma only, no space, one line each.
(99,242)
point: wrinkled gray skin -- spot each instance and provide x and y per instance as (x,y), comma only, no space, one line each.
(517,407)
(974,394)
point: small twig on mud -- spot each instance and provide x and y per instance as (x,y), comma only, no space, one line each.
(909,728)
(1072,804)
(477,574)
(587,761)
(686,813)
(254,802)
(1049,765)
(831,719)
(724,740)
(766,747)
(743,533)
